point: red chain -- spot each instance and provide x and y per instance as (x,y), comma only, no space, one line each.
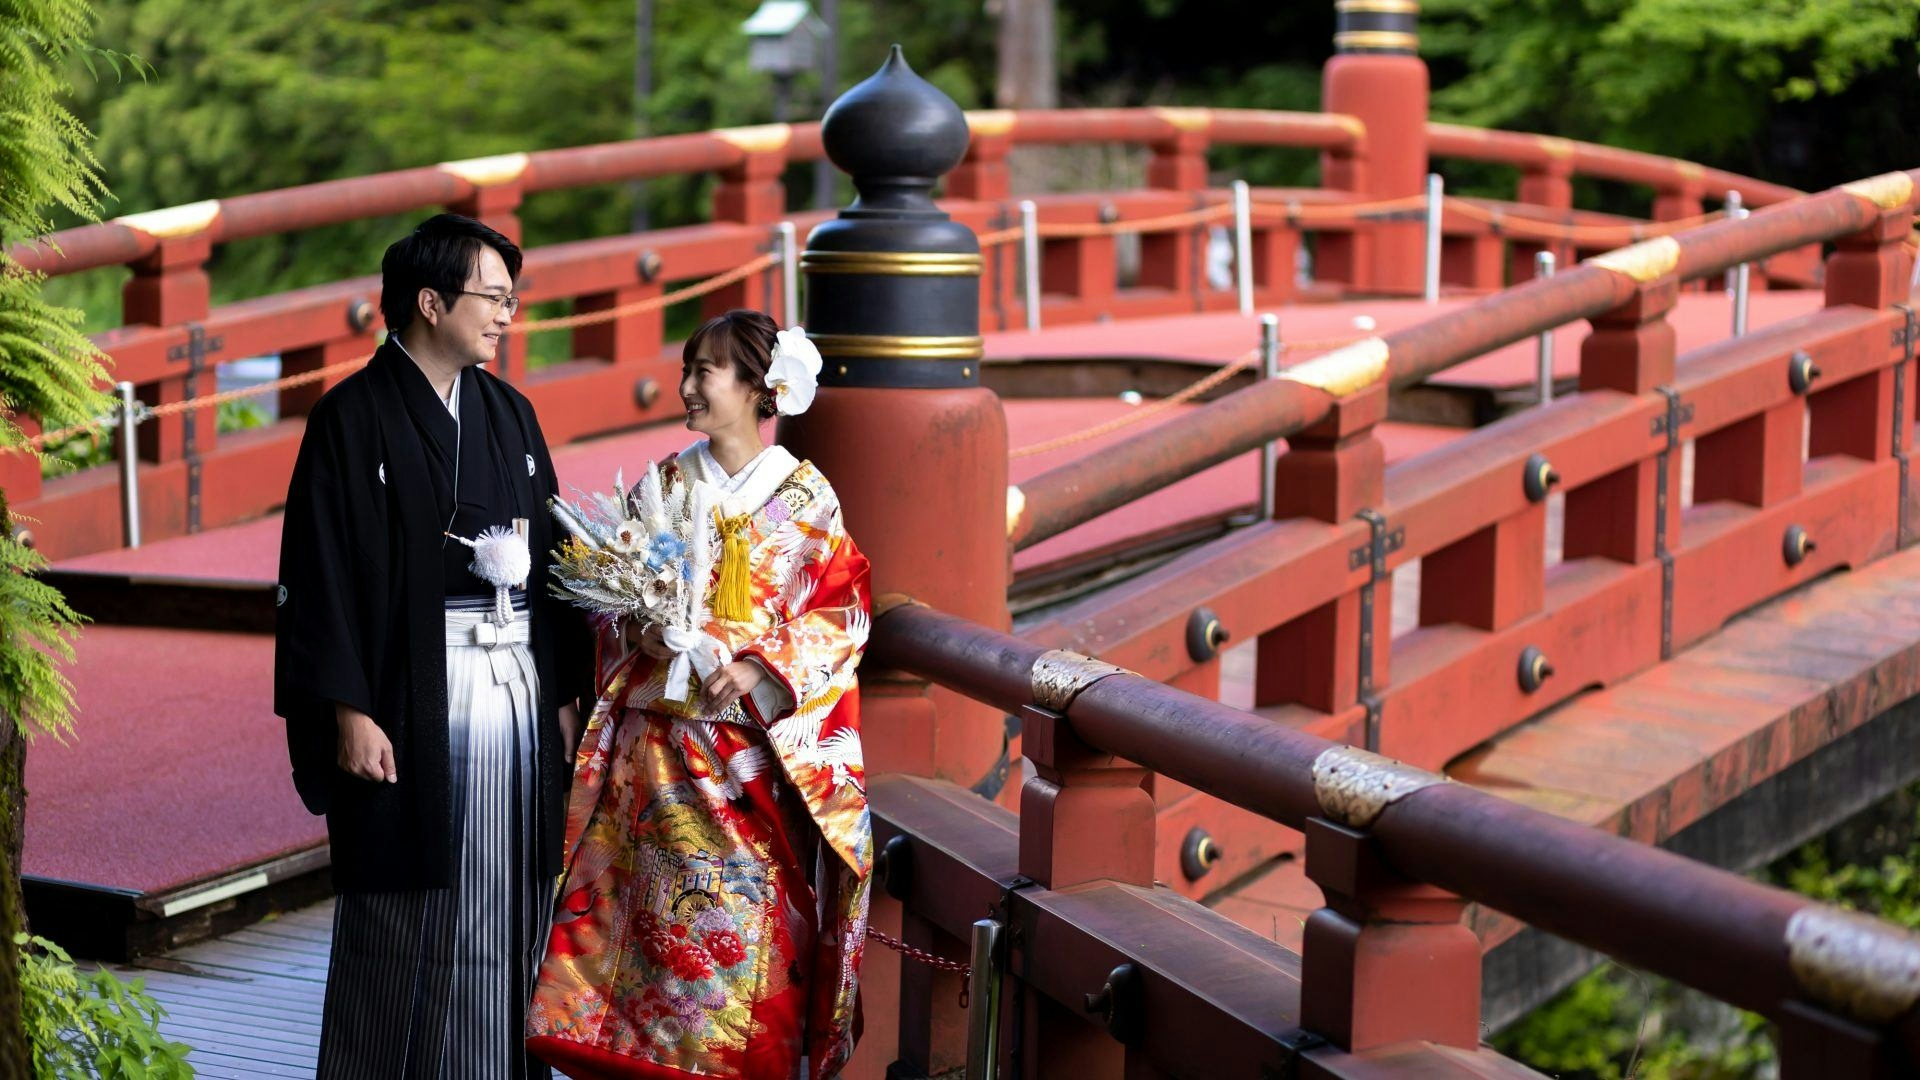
(927,958)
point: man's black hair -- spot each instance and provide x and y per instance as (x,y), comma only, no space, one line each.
(438,254)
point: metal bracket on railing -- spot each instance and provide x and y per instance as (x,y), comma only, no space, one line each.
(195,352)
(1243,245)
(1297,1045)
(789,274)
(983,1010)
(1380,543)
(1668,424)
(1903,337)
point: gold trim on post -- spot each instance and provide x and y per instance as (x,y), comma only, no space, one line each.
(1185,118)
(1377,39)
(990,121)
(1059,676)
(896,347)
(1648,260)
(1556,147)
(1888,191)
(1376,7)
(488,171)
(1353,785)
(1345,370)
(920,263)
(174,221)
(1863,968)
(759,139)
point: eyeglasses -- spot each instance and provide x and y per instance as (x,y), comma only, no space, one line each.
(509,301)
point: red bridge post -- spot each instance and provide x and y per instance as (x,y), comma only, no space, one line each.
(1871,269)
(915,447)
(750,193)
(169,287)
(1376,74)
(1330,472)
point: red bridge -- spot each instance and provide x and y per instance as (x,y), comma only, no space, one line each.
(1653,591)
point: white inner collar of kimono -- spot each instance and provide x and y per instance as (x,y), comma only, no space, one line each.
(746,490)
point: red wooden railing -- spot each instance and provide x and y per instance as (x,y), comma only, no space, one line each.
(1390,970)
(174,339)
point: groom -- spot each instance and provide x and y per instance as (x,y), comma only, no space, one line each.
(430,697)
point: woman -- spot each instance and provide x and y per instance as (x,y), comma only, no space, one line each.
(712,914)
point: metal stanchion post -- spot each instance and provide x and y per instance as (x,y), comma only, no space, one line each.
(1030,260)
(129,466)
(1243,244)
(1543,268)
(1435,191)
(983,1005)
(789,275)
(1740,276)
(1270,453)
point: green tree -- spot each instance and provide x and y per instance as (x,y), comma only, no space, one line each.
(49,369)
(1806,93)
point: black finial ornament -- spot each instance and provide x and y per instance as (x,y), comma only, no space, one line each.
(895,134)
(893,283)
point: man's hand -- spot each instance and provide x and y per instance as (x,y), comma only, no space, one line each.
(645,636)
(731,683)
(365,751)
(569,716)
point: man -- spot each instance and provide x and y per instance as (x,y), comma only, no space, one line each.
(431,712)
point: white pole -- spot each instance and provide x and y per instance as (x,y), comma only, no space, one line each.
(1434,194)
(1243,244)
(1270,453)
(1030,259)
(1740,276)
(1543,268)
(789,275)
(129,467)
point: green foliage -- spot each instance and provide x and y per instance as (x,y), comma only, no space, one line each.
(1726,81)
(1614,1023)
(86,1025)
(48,367)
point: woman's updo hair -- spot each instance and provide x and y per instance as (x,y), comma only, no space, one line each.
(744,338)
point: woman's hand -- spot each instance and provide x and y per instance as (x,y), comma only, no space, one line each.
(645,636)
(731,683)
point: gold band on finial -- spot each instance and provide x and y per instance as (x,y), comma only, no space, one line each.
(897,347)
(909,263)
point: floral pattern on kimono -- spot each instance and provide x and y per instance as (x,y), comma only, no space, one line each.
(713,913)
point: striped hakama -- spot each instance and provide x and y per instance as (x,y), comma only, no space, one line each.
(434,984)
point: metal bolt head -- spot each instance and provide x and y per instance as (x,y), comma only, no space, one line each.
(1198,852)
(894,865)
(1539,477)
(360,315)
(1800,371)
(1534,669)
(1796,545)
(648,264)
(25,538)
(646,392)
(1205,635)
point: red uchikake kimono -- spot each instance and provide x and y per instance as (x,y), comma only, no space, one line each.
(714,907)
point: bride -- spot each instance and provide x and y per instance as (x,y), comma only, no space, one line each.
(713,909)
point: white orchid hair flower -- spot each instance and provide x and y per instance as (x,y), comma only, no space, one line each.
(794,372)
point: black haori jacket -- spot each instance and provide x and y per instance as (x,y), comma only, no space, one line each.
(361,621)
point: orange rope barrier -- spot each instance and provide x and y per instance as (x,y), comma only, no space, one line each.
(1180,397)
(535,326)
(1592,234)
(592,318)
